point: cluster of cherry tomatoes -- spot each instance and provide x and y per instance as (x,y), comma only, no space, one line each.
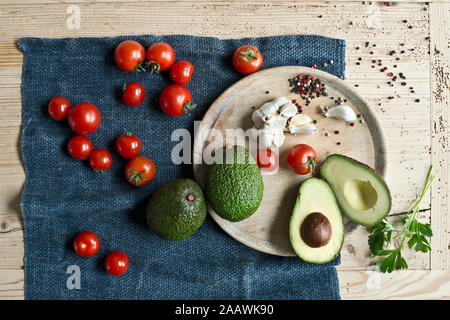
(87,244)
(175,100)
(301,159)
(84,119)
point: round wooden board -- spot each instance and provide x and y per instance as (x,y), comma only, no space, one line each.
(267,229)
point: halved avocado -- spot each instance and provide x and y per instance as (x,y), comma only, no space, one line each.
(362,195)
(316,229)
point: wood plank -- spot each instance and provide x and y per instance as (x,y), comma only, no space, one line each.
(440,146)
(11,284)
(370,285)
(234,2)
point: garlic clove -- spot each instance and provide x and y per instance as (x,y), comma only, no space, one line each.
(305,129)
(300,120)
(278,122)
(278,138)
(272,107)
(342,111)
(288,110)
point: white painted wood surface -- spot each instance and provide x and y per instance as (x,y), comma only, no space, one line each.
(417,133)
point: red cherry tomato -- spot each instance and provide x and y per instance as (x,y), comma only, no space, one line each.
(176,100)
(84,118)
(80,147)
(267,160)
(129,54)
(140,171)
(181,72)
(302,159)
(58,108)
(128,146)
(133,94)
(86,244)
(100,159)
(160,56)
(117,263)
(247,59)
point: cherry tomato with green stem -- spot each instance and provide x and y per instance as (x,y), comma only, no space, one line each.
(129,55)
(302,159)
(80,147)
(128,146)
(117,263)
(160,57)
(84,118)
(86,244)
(181,72)
(58,108)
(176,100)
(101,160)
(140,171)
(247,59)
(267,160)
(133,94)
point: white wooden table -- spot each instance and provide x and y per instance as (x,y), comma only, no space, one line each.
(417,132)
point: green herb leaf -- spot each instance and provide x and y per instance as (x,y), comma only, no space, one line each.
(413,231)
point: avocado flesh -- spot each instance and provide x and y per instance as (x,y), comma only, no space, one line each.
(176,210)
(316,195)
(362,195)
(234,188)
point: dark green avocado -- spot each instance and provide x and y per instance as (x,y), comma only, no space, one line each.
(176,210)
(234,188)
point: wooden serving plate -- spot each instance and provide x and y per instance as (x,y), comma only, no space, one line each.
(267,229)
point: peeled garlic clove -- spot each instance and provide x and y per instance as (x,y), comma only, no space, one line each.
(342,111)
(288,110)
(305,129)
(300,120)
(278,138)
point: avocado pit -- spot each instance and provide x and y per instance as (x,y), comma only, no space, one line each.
(316,230)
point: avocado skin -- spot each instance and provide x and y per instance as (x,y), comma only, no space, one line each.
(373,173)
(234,190)
(294,228)
(170,215)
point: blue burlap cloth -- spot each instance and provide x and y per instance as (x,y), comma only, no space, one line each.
(63,196)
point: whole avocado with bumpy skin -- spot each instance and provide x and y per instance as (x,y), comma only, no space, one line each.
(176,210)
(234,187)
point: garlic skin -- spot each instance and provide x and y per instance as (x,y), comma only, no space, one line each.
(341,111)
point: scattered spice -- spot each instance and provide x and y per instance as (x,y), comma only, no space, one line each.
(336,132)
(338,143)
(352,124)
(417,100)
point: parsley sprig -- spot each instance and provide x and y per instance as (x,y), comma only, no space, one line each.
(412,231)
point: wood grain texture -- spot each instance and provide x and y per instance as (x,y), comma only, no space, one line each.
(408,125)
(267,229)
(440,134)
